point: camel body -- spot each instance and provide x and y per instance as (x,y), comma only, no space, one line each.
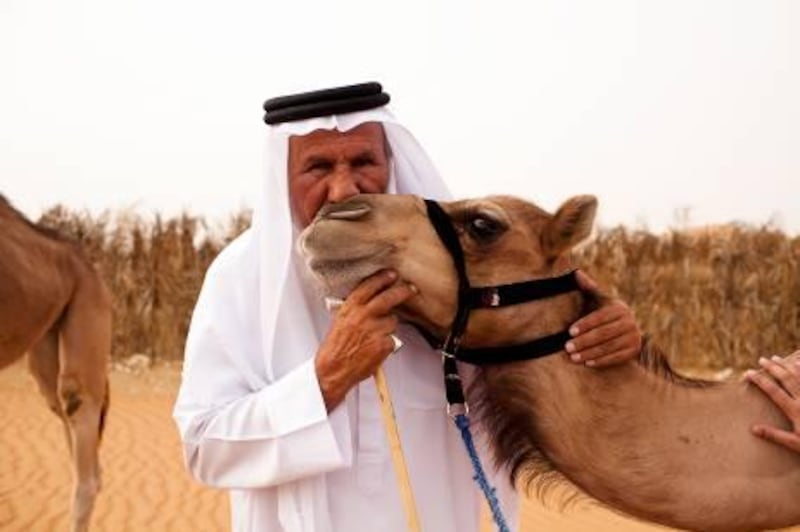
(636,437)
(676,455)
(55,307)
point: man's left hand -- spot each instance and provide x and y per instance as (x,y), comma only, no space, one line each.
(607,336)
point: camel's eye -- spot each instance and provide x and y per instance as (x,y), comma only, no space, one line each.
(483,228)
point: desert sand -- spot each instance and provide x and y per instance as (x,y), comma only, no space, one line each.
(145,486)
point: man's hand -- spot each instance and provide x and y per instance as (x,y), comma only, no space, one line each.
(605,337)
(780,380)
(360,336)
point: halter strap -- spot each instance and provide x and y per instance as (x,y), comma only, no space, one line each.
(541,347)
(515,293)
(447,234)
(469,298)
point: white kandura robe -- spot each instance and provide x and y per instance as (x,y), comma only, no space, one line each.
(250,411)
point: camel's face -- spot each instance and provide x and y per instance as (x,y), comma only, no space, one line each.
(351,240)
(504,239)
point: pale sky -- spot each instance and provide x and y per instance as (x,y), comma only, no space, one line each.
(652,106)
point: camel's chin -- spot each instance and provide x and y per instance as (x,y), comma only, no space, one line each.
(339,278)
(339,264)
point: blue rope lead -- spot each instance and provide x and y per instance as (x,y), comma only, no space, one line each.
(462,422)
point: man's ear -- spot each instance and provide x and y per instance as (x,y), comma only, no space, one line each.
(571,224)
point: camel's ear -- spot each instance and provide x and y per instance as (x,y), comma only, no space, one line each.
(570,225)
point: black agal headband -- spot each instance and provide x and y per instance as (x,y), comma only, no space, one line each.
(325,102)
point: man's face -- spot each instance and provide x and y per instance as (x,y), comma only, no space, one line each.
(327,166)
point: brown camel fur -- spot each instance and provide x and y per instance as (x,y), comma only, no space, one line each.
(635,436)
(55,307)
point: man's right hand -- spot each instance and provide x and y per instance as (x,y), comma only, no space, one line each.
(359,339)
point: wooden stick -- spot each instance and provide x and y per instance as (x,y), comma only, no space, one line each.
(389,421)
(398,458)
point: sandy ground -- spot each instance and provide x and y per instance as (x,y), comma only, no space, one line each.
(145,486)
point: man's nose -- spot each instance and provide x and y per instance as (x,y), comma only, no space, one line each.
(342,186)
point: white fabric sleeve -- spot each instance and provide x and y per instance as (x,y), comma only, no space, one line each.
(240,432)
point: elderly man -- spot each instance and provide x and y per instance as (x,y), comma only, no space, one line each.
(275,403)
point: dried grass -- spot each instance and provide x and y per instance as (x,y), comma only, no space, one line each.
(711,298)
(718,297)
(154,270)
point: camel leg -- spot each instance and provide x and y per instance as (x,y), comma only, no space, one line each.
(82,388)
(83,424)
(43,365)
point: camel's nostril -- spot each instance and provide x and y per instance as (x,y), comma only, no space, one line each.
(345,211)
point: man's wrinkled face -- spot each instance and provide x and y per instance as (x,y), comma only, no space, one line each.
(328,166)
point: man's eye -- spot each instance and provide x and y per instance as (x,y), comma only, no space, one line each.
(363,161)
(484,229)
(320,166)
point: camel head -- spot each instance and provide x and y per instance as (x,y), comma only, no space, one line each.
(505,240)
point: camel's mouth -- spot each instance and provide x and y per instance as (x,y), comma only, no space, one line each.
(340,254)
(326,266)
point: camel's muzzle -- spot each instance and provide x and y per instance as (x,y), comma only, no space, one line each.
(346,210)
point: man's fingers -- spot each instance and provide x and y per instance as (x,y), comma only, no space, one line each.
(386,325)
(608,347)
(387,300)
(605,314)
(784,373)
(613,359)
(597,336)
(781,437)
(794,357)
(791,365)
(777,394)
(370,286)
(779,381)
(605,337)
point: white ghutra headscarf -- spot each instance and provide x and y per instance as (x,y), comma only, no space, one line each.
(282,294)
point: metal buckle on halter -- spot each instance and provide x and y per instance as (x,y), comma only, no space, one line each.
(454,409)
(457,409)
(490,297)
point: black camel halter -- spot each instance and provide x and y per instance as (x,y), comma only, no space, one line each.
(470,298)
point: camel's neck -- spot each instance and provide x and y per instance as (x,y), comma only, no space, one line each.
(641,440)
(675,454)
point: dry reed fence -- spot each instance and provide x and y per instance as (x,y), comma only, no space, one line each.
(711,298)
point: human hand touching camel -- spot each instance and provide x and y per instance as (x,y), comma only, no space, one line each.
(780,381)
